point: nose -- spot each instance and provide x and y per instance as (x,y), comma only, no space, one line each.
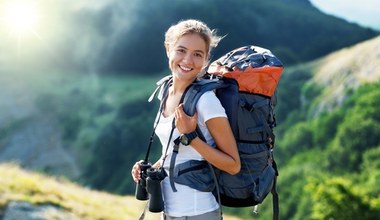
(187,58)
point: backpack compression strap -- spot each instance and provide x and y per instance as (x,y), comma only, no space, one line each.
(255,108)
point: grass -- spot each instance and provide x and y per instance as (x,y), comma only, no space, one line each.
(20,185)
(17,184)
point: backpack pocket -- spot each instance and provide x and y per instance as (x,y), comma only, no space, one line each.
(266,181)
(195,174)
(253,118)
(254,181)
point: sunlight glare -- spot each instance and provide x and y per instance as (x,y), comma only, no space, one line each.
(21,17)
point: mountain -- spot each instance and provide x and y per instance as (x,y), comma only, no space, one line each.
(345,70)
(129,37)
(323,84)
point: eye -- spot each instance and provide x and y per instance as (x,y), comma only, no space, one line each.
(181,50)
(200,55)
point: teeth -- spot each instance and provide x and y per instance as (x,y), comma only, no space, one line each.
(185,68)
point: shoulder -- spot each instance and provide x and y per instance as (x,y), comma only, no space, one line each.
(209,95)
(209,106)
(208,99)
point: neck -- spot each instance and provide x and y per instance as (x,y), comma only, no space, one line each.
(179,86)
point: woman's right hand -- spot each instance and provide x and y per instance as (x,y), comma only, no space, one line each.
(136,171)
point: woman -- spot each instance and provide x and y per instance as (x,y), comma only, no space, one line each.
(188,45)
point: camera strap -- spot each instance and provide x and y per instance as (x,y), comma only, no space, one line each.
(163,94)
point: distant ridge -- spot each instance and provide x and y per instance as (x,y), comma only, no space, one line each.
(346,69)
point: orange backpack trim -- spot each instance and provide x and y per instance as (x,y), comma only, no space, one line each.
(262,80)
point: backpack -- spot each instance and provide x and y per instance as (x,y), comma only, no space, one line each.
(245,82)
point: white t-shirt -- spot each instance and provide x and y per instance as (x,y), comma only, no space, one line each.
(187,201)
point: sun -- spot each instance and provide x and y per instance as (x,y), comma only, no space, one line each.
(20,17)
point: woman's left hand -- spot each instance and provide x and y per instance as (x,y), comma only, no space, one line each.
(184,123)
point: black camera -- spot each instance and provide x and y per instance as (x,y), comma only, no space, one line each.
(149,187)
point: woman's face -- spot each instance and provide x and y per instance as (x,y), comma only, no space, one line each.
(188,56)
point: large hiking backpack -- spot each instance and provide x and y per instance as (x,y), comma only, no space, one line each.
(245,82)
(246,86)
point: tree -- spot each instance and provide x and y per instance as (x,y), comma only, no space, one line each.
(339,198)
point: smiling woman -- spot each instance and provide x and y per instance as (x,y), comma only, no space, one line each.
(21,17)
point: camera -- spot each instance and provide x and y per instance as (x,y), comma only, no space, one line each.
(149,187)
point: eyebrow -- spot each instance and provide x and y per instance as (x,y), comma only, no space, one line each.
(199,51)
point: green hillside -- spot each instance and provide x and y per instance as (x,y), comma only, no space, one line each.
(328,147)
(72,201)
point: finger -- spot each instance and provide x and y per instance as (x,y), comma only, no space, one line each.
(136,171)
(179,110)
(136,175)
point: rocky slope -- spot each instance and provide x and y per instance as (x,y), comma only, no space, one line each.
(345,70)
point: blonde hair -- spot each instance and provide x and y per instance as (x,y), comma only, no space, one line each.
(191,26)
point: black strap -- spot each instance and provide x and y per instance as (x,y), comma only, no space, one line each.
(275,203)
(164,85)
(174,156)
(275,199)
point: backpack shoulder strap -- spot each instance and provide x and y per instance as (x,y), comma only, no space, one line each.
(190,100)
(196,90)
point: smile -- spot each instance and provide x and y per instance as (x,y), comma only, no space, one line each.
(185,68)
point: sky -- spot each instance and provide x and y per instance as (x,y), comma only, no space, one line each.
(363,12)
